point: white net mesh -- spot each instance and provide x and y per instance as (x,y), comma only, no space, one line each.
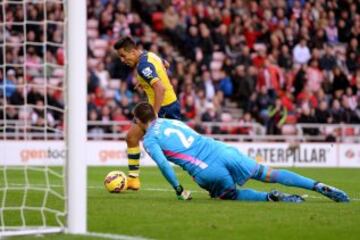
(32,73)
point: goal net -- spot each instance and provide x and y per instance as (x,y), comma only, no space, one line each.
(32,116)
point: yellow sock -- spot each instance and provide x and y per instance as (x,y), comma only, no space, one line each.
(134,161)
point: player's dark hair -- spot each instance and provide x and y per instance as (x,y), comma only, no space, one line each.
(144,112)
(126,42)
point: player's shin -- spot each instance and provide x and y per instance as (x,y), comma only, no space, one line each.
(285,177)
(134,168)
(251,195)
(290,178)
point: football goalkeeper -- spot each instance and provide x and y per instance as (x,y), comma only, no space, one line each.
(153,79)
(215,166)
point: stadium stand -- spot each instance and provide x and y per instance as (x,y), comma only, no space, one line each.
(18,83)
(257,56)
(250,62)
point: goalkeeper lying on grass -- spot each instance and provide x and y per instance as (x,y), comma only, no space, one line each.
(215,166)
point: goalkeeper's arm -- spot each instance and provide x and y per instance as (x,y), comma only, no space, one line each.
(154,150)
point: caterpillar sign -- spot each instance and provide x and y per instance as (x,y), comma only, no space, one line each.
(106,153)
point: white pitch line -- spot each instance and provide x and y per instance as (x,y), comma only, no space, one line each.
(205,192)
(155,189)
(113,236)
(40,233)
(171,190)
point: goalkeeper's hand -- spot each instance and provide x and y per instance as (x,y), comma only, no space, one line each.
(182,194)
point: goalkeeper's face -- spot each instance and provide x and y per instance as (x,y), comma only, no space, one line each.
(128,56)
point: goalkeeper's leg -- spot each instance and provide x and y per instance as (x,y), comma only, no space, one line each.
(289,178)
(133,138)
(219,181)
(253,195)
(285,177)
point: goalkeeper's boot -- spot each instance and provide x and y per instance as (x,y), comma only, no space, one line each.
(133,183)
(331,192)
(277,196)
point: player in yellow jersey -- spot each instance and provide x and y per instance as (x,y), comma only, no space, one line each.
(152,77)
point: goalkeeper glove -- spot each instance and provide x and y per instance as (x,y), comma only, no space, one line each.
(182,194)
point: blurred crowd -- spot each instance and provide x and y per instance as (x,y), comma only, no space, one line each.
(32,66)
(276,63)
(280,62)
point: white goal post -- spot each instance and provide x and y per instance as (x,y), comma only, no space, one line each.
(77,119)
(55,195)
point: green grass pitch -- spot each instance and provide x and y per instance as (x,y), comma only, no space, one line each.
(155,213)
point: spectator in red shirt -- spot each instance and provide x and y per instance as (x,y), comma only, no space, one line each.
(306,96)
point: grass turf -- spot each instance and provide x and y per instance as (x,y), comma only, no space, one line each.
(154,212)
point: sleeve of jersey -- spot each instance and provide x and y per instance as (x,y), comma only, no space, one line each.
(155,152)
(148,72)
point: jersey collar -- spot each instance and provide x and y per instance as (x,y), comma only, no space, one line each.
(152,123)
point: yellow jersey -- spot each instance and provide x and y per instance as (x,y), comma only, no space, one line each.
(149,70)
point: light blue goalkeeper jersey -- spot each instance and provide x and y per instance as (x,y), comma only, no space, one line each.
(171,140)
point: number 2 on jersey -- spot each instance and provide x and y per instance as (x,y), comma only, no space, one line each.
(185,141)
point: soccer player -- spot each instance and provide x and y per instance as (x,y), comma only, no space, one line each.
(216,166)
(152,77)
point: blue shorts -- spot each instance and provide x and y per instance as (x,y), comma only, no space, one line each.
(222,175)
(171,111)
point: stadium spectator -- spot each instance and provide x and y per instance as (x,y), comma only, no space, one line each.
(171,23)
(337,112)
(200,103)
(307,116)
(328,60)
(210,115)
(277,118)
(118,116)
(9,83)
(208,85)
(301,52)
(102,74)
(11,113)
(34,95)
(314,76)
(95,132)
(17,98)
(41,118)
(242,85)
(285,60)
(349,114)
(189,108)
(122,92)
(246,119)
(340,82)
(225,84)
(307,97)
(322,113)
(263,103)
